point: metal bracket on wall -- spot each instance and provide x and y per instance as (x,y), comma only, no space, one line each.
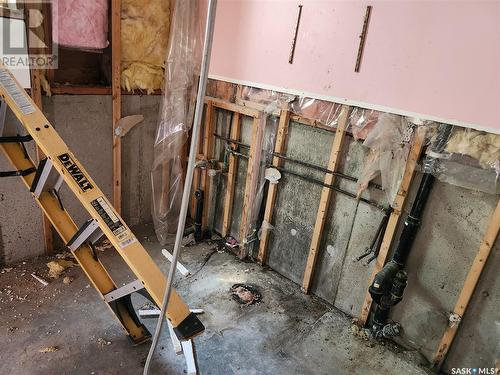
(295,33)
(362,38)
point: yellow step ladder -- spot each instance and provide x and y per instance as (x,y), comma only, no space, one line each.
(44,182)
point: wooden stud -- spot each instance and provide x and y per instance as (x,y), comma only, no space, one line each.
(325,200)
(198,175)
(251,182)
(208,150)
(231,176)
(228,106)
(469,286)
(273,188)
(117,101)
(36,95)
(392,224)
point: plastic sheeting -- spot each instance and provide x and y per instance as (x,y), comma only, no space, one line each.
(361,121)
(471,159)
(81,24)
(389,142)
(270,124)
(175,117)
(144,41)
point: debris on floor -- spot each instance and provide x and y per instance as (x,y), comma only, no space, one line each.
(49,349)
(188,240)
(65,255)
(57,267)
(38,278)
(68,280)
(245,294)
(231,242)
(183,270)
(104,245)
(102,342)
(360,332)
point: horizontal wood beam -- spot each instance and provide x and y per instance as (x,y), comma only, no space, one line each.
(228,106)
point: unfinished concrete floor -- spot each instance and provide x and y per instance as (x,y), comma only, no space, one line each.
(287,333)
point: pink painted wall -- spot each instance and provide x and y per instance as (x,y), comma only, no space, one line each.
(440,59)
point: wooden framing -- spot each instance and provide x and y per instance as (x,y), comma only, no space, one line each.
(392,224)
(257,106)
(469,286)
(231,176)
(36,95)
(208,150)
(325,199)
(279,148)
(251,182)
(117,101)
(80,90)
(228,106)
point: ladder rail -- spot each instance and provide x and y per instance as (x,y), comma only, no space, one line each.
(96,204)
(66,228)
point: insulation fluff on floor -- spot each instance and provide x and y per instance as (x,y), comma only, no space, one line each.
(145,31)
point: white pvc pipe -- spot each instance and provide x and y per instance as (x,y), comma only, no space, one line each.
(198,114)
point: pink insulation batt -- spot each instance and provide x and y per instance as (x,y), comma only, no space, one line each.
(81,24)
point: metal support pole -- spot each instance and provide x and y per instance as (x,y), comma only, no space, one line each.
(205,63)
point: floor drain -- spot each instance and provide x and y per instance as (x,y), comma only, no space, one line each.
(245,294)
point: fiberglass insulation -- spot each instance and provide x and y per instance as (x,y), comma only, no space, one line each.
(145,31)
(81,24)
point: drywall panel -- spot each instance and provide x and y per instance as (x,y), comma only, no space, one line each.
(436,59)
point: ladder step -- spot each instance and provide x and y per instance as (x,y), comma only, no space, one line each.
(123,291)
(89,231)
(41,176)
(41,181)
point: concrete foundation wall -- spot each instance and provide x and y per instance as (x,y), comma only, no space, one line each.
(453,224)
(21,234)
